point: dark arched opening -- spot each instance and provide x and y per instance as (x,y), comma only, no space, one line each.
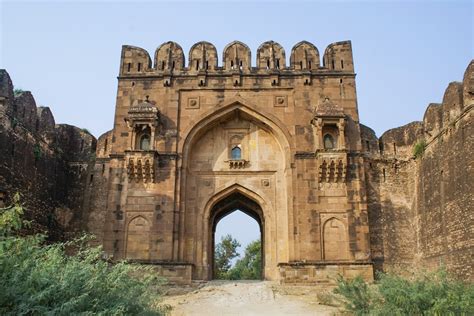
(235,202)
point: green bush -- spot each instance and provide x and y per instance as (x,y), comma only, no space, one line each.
(419,149)
(425,294)
(37,151)
(356,293)
(17,92)
(38,279)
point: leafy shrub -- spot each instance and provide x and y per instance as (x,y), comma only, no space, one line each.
(356,293)
(425,294)
(40,279)
(37,151)
(419,149)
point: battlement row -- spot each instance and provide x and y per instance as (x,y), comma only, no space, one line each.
(169,59)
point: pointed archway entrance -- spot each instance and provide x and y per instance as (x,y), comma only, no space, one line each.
(235,157)
(233,202)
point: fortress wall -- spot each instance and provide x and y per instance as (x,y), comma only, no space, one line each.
(421,209)
(42,161)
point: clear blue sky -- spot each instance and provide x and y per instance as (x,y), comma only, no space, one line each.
(68,54)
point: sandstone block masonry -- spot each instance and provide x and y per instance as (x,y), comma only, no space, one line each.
(421,209)
(46,163)
(192,142)
(283,143)
(195,141)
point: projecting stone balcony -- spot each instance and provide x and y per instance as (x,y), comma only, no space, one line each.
(332,166)
(238,163)
(141,165)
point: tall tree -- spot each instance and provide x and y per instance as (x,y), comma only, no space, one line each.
(250,266)
(225,251)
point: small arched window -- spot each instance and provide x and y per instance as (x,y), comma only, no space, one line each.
(145,142)
(328,141)
(236,153)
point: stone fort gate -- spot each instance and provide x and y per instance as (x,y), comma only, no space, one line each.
(192,143)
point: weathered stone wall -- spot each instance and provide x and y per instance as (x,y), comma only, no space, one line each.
(421,208)
(46,163)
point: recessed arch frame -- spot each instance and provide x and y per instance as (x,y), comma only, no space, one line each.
(206,121)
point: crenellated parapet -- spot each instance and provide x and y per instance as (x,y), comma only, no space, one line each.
(169,59)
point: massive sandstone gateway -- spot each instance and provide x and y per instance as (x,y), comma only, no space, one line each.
(192,143)
(281,143)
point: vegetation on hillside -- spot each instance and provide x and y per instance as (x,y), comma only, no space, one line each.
(425,294)
(39,279)
(249,267)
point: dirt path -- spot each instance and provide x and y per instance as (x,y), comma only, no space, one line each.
(247,298)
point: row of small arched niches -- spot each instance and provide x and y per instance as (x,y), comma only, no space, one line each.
(237,56)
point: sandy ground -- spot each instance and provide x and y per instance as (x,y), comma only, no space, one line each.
(247,298)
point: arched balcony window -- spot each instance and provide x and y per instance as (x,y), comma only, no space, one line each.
(145,142)
(328,141)
(236,153)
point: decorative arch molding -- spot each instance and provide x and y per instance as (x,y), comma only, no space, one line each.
(202,250)
(253,194)
(237,104)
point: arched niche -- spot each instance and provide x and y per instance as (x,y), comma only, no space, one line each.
(330,139)
(138,239)
(236,56)
(202,56)
(304,56)
(335,240)
(143,137)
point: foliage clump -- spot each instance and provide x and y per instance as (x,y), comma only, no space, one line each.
(247,268)
(17,92)
(39,279)
(419,149)
(425,294)
(37,151)
(250,266)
